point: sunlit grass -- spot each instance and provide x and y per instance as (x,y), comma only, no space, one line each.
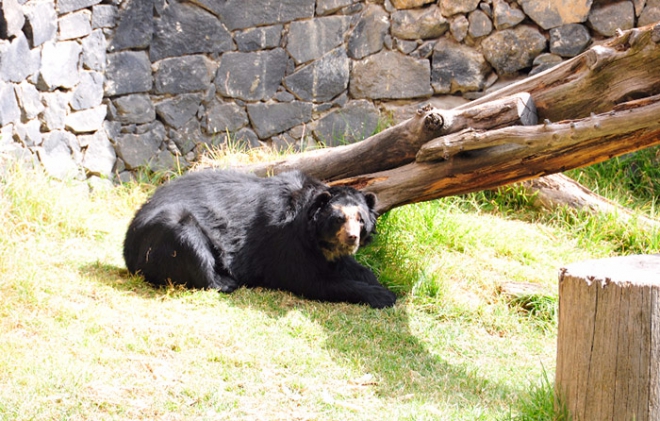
(82,339)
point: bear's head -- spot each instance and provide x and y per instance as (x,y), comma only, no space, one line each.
(343,219)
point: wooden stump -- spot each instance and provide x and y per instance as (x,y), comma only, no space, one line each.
(608,345)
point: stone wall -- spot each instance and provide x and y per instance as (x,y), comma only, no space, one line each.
(103,87)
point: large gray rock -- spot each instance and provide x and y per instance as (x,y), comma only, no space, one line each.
(251,76)
(188,136)
(177,111)
(56,154)
(356,121)
(29,100)
(17,61)
(368,36)
(197,31)
(59,65)
(650,12)
(9,110)
(12,18)
(639,6)
(271,119)
(606,19)
(457,68)
(569,40)
(406,47)
(511,50)
(99,156)
(311,39)
(328,7)
(649,15)
(164,160)
(480,24)
(390,75)
(133,109)
(553,13)
(180,75)
(93,51)
(127,72)
(321,80)
(255,39)
(75,25)
(459,27)
(28,134)
(135,27)
(41,23)
(454,7)
(419,23)
(241,140)
(104,16)
(89,92)
(56,105)
(140,148)
(225,118)
(113,129)
(234,14)
(66,6)
(86,121)
(505,16)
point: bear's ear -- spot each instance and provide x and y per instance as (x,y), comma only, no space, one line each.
(371,200)
(319,201)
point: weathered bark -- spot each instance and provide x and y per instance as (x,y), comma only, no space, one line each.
(521,153)
(608,340)
(406,163)
(557,190)
(399,144)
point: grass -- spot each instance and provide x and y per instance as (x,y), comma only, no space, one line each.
(82,339)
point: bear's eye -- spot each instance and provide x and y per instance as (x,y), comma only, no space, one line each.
(338,219)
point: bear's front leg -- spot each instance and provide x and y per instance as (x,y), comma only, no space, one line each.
(358,292)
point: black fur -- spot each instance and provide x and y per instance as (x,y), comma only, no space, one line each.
(223,229)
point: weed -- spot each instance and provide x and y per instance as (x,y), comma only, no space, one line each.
(540,403)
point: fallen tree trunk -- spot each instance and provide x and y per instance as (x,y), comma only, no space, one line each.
(398,145)
(557,190)
(520,153)
(408,162)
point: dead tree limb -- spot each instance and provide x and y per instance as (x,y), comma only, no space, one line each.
(557,190)
(399,144)
(524,152)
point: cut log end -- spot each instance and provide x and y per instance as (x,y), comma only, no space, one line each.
(608,339)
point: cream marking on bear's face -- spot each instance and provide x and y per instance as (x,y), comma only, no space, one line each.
(347,238)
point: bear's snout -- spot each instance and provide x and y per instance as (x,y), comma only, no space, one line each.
(349,233)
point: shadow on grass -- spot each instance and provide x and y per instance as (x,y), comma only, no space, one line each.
(381,343)
(376,342)
(119,278)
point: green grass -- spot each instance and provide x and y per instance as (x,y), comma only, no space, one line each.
(82,339)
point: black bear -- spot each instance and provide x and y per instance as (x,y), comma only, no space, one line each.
(225,229)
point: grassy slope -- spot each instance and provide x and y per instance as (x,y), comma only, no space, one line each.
(81,339)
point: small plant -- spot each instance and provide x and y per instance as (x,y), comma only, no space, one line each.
(540,403)
(632,179)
